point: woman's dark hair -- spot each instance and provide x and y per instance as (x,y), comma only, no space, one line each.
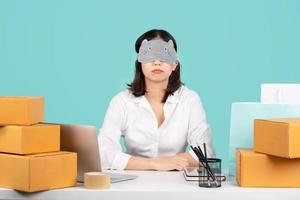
(138,86)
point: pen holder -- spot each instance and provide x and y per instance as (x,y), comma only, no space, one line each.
(210,172)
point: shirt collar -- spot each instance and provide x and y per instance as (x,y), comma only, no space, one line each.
(175,97)
(171,98)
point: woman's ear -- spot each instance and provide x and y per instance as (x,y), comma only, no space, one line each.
(174,65)
(145,41)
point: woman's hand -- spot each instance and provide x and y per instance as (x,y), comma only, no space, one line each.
(169,163)
(176,162)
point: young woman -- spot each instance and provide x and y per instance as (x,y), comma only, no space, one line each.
(157,115)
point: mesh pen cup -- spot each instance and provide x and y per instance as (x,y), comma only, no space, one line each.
(210,173)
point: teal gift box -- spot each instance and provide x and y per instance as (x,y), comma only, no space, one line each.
(242,122)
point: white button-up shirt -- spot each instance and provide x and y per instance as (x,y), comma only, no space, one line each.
(133,117)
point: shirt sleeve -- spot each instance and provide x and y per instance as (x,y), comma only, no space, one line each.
(109,136)
(199,131)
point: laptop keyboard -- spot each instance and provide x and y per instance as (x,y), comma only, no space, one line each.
(118,177)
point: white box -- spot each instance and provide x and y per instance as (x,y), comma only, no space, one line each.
(280,93)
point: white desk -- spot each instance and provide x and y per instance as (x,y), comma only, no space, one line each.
(153,185)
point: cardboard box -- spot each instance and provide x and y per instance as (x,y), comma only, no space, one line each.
(21,110)
(38,172)
(262,170)
(29,139)
(278,137)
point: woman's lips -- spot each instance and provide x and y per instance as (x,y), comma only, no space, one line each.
(157,71)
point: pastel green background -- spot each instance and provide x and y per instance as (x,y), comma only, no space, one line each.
(79,54)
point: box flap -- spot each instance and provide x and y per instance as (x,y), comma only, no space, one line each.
(290,121)
(240,164)
(19,97)
(41,124)
(12,155)
(48,154)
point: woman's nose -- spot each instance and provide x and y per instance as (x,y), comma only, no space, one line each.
(156,62)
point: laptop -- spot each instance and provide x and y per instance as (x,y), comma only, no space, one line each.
(83,140)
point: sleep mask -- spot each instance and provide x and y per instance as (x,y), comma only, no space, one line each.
(157,50)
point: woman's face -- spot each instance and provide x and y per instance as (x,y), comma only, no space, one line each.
(157,71)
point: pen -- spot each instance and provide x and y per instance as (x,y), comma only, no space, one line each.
(206,162)
(202,161)
(205,154)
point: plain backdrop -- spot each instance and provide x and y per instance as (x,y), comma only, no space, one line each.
(79,54)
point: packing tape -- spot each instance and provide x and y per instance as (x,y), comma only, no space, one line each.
(97,180)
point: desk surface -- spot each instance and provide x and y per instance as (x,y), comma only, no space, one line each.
(152,185)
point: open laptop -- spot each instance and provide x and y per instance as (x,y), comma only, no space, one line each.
(83,140)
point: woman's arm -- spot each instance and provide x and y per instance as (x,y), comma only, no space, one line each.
(110,148)
(177,162)
(199,131)
(191,161)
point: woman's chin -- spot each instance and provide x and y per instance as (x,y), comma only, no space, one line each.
(158,79)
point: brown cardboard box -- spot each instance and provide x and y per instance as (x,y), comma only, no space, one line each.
(278,137)
(21,110)
(262,170)
(29,139)
(38,172)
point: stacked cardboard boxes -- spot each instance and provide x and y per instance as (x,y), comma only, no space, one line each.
(275,158)
(30,156)
(243,115)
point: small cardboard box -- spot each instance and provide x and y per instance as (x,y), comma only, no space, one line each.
(38,172)
(262,170)
(278,137)
(21,110)
(29,139)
